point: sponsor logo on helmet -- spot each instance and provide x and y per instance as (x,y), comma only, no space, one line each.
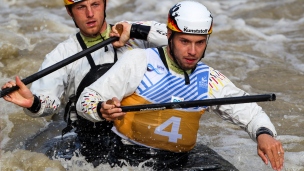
(195,31)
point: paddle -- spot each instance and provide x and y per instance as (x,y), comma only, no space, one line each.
(62,63)
(200,103)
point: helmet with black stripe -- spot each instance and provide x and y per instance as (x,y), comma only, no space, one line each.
(190,17)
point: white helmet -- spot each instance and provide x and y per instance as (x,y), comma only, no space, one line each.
(190,17)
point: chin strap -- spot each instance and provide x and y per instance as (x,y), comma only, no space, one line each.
(206,46)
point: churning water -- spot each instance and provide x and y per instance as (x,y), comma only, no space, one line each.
(258,44)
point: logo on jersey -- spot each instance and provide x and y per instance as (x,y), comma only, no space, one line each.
(159,69)
(177,99)
(202,83)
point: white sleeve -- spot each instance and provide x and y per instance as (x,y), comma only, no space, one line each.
(120,81)
(157,35)
(249,116)
(50,88)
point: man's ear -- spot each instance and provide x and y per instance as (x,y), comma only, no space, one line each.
(169,32)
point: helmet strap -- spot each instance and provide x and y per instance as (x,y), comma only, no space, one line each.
(104,18)
(105,5)
(206,46)
(170,43)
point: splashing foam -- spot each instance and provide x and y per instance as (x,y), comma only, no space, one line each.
(26,160)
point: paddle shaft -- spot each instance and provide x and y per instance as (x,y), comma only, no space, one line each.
(46,71)
(59,65)
(201,103)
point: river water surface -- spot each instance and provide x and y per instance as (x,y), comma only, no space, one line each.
(258,44)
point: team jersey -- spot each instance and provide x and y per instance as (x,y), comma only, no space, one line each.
(173,130)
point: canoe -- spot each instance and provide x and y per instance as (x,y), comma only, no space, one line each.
(201,157)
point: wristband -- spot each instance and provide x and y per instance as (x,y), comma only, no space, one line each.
(139,31)
(263,130)
(98,110)
(36,105)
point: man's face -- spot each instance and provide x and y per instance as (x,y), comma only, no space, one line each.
(188,49)
(89,16)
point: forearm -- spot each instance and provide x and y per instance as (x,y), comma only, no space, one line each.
(120,81)
(87,106)
(158,34)
(260,124)
(139,31)
(42,106)
(249,116)
(49,89)
(153,32)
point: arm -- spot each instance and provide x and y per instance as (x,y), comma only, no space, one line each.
(142,34)
(24,97)
(157,36)
(120,81)
(49,89)
(248,116)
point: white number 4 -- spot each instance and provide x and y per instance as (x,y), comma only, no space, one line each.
(173,135)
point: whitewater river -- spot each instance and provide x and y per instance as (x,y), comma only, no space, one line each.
(258,44)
